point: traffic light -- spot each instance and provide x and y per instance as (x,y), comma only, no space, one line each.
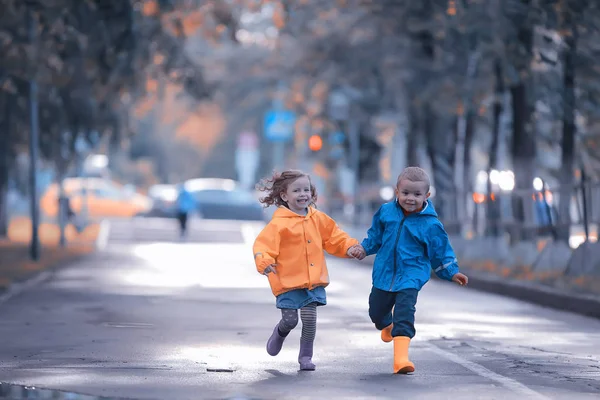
(368,157)
(315,143)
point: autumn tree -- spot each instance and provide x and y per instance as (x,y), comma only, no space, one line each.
(90,61)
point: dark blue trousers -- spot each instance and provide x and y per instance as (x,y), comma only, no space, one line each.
(403,304)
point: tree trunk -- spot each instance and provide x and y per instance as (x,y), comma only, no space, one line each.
(3,191)
(469,136)
(441,153)
(4,165)
(523,154)
(523,149)
(568,137)
(462,147)
(493,209)
(412,135)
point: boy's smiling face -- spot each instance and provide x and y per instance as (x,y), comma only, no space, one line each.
(411,195)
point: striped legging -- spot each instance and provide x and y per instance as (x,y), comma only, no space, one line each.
(308,314)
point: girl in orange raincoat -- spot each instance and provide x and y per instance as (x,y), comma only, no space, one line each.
(289,250)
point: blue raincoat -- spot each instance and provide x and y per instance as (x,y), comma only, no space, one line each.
(408,247)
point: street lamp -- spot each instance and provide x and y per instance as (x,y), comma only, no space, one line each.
(340,107)
(82,148)
(506,181)
(33,147)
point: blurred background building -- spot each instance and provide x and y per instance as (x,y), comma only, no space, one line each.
(496,99)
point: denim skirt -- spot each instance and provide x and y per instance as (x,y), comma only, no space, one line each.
(298,298)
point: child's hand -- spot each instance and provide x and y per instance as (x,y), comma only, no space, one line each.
(461,279)
(357,251)
(269,269)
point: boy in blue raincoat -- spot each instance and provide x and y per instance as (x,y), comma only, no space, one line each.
(409,241)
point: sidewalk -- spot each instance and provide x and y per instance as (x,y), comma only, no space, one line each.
(542,275)
(16,265)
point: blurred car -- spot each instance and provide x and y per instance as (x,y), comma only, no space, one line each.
(164,201)
(224,199)
(103,197)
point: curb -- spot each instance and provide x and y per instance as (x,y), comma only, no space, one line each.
(542,295)
(18,287)
(546,296)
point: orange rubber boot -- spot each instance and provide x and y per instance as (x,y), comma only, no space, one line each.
(386,333)
(402,365)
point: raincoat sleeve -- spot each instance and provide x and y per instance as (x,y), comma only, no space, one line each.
(372,242)
(266,247)
(335,241)
(440,252)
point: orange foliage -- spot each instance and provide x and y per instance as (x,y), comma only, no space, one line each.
(173,112)
(150,8)
(203,129)
(151,85)
(451,10)
(192,22)
(159,59)
(220,29)
(279,17)
(320,170)
(320,91)
(143,107)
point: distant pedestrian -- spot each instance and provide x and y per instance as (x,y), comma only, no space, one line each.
(186,204)
(289,250)
(409,241)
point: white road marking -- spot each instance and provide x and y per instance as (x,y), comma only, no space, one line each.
(249,233)
(18,288)
(480,370)
(103,235)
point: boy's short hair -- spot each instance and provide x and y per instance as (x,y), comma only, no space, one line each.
(414,174)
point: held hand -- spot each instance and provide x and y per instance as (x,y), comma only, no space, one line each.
(357,251)
(461,279)
(269,269)
(361,252)
(352,252)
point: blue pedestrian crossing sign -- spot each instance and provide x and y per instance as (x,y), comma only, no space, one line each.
(279,125)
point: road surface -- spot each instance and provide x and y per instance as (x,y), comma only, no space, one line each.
(160,318)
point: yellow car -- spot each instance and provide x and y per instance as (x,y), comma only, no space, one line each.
(104,198)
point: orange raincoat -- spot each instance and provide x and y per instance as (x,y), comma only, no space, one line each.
(296,243)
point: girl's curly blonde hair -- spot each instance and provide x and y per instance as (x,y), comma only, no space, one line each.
(278,183)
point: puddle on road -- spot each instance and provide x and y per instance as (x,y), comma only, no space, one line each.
(17,392)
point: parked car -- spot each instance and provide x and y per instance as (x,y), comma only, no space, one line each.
(164,201)
(103,197)
(224,199)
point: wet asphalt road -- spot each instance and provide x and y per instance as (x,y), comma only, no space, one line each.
(189,320)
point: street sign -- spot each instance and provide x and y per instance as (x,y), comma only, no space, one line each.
(279,125)
(247,158)
(339,105)
(337,138)
(247,140)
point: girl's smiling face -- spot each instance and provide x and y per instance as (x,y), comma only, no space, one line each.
(298,195)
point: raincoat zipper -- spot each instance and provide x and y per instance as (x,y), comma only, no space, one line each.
(396,252)
(396,246)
